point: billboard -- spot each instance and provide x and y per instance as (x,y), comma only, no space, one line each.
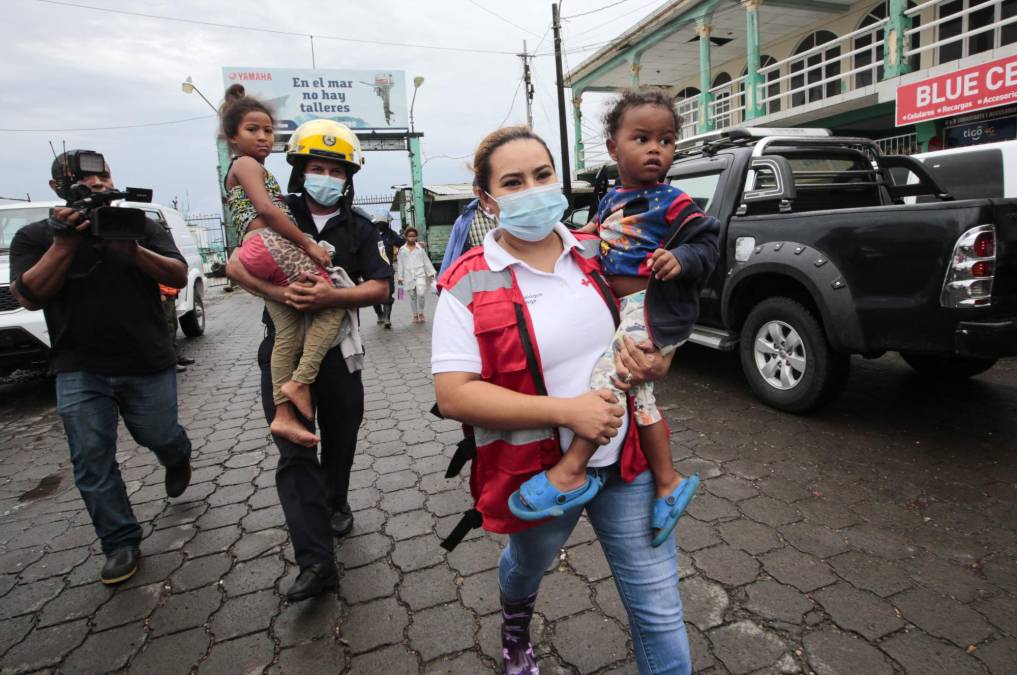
(986,85)
(360,99)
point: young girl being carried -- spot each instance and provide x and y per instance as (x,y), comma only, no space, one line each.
(657,249)
(275,249)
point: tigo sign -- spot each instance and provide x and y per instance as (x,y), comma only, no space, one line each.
(984,86)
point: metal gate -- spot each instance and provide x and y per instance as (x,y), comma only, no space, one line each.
(373,200)
(209,233)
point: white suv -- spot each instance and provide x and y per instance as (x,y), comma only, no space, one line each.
(24,339)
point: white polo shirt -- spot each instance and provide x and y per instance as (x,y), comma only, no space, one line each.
(571,322)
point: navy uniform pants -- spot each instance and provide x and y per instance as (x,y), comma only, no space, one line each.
(312,488)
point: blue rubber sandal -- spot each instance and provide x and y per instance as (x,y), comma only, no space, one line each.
(667,510)
(537,498)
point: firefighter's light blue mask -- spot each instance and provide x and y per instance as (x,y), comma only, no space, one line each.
(325,190)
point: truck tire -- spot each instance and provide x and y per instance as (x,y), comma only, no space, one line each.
(946,367)
(193,323)
(786,357)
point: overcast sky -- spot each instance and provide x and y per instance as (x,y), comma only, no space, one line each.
(68,67)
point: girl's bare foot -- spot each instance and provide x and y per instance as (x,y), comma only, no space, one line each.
(295,432)
(299,395)
(286,425)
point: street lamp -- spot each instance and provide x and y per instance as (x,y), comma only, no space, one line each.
(417,81)
(187,86)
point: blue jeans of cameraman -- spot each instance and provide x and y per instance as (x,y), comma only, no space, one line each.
(90,406)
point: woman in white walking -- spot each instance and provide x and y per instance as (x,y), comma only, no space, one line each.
(414,271)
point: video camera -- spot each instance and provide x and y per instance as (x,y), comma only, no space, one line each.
(107,222)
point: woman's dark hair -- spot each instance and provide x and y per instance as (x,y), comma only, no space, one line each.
(494,140)
(633,98)
(411,229)
(236,103)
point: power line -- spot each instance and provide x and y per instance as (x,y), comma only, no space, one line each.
(214,24)
(576,50)
(123,126)
(513,104)
(542,38)
(447,157)
(723,10)
(495,14)
(543,109)
(594,11)
(620,16)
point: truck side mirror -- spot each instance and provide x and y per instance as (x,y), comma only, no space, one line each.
(578,217)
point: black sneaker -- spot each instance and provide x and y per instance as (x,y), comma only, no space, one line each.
(178,477)
(313,581)
(185,361)
(120,566)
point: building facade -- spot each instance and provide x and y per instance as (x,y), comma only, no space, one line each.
(840,64)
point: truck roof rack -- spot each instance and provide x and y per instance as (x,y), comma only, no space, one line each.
(709,143)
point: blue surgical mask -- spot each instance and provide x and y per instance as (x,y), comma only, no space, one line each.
(532,214)
(325,190)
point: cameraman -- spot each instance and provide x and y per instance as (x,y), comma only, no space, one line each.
(110,352)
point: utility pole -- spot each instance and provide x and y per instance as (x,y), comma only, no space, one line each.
(565,167)
(528,84)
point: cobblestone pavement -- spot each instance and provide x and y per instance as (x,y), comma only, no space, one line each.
(876,537)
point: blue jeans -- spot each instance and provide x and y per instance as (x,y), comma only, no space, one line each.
(89,405)
(646,577)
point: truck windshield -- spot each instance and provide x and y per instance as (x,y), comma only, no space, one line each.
(821,170)
(12,220)
(833,180)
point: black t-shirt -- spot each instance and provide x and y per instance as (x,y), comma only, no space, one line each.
(358,246)
(107,318)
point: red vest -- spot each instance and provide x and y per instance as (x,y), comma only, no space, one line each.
(510,358)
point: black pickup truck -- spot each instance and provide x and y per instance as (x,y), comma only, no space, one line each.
(820,258)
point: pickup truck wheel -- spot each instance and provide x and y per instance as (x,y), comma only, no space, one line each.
(787,359)
(947,367)
(193,323)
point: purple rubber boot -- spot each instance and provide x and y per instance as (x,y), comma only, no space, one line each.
(516,650)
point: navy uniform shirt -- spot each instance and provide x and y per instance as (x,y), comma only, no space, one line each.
(358,246)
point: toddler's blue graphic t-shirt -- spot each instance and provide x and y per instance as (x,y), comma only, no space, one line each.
(633,223)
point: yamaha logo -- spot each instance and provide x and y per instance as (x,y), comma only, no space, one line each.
(328,140)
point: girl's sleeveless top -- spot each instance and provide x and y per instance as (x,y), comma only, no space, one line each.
(242,211)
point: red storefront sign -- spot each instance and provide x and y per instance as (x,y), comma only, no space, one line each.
(983,86)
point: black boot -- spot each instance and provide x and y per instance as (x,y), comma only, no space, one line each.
(313,581)
(178,477)
(120,565)
(516,649)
